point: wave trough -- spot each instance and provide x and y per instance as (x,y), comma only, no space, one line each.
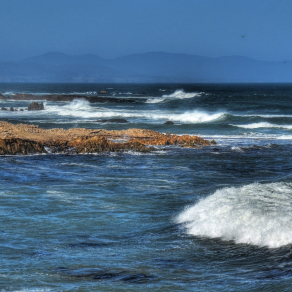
(257,214)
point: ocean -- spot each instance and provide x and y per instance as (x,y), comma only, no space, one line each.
(217,218)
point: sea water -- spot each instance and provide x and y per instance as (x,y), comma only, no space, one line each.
(217,218)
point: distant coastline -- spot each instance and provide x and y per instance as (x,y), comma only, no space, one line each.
(153,67)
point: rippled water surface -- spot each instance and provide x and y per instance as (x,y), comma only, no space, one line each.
(216,218)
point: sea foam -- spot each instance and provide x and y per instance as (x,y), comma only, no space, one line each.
(257,214)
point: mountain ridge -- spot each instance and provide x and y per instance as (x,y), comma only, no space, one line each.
(150,67)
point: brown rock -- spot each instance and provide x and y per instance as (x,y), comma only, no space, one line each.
(35,106)
(24,139)
(14,146)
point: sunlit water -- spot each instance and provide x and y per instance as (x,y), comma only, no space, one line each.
(216,218)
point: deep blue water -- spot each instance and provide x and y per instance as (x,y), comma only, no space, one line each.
(216,218)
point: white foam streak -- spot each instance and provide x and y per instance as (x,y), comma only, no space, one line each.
(258,214)
(263,125)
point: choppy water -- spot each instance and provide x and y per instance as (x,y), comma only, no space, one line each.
(211,219)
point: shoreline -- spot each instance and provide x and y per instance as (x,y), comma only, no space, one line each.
(30,139)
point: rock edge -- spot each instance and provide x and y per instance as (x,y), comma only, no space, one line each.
(30,139)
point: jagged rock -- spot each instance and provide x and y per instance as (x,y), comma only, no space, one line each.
(120,121)
(35,106)
(182,141)
(14,146)
(24,139)
(2,96)
(168,123)
(4,109)
(11,109)
(213,142)
(98,144)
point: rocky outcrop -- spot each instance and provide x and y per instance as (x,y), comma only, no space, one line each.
(35,106)
(68,97)
(14,146)
(26,139)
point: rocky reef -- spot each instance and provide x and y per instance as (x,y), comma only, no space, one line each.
(30,139)
(65,97)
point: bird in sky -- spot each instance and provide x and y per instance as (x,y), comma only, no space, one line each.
(243,36)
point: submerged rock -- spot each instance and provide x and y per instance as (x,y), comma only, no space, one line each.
(101,274)
(35,106)
(103,92)
(168,123)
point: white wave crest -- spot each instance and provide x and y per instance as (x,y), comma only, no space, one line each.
(154,100)
(258,214)
(181,94)
(263,125)
(77,108)
(194,117)
(80,108)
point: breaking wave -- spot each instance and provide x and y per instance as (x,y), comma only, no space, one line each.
(80,108)
(154,100)
(263,125)
(257,214)
(182,95)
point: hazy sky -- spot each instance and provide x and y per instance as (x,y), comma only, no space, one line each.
(112,28)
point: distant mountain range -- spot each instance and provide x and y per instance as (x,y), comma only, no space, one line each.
(154,67)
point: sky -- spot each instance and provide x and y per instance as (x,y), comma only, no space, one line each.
(114,28)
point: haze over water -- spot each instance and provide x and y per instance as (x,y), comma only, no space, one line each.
(176,219)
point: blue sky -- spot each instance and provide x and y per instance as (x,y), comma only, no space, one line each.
(113,28)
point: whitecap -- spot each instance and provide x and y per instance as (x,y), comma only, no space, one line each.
(257,214)
(81,108)
(263,125)
(154,100)
(182,95)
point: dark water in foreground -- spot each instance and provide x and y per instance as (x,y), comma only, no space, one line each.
(211,219)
